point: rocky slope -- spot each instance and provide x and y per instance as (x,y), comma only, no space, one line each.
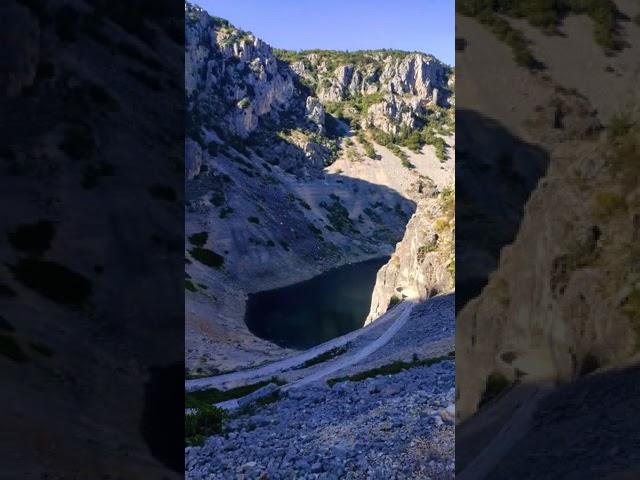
(382,426)
(275,189)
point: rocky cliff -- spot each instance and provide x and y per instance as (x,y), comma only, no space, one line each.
(579,309)
(296,162)
(423,264)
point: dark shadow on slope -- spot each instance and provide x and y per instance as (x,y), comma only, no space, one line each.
(161,427)
(91,183)
(495,175)
(585,430)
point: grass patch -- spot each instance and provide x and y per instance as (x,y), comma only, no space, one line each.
(323,357)
(188,285)
(268,399)
(204,398)
(391,369)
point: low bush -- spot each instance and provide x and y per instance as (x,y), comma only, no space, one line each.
(205,421)
(207,257)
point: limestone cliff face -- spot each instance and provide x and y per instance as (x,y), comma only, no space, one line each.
(580,308)
(423,264)
(399,88)
(232,72)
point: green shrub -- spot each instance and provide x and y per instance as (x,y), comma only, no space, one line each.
(205,421)
(202,398)
(393,301)
(392,368)
(10,349)
(198,239)
(207,257)
(255,220)
(323,357)
(608,204)
(370,151)
(188,285)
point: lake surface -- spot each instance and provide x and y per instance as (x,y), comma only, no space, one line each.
(316,310)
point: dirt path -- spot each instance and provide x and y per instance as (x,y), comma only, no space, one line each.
(401,314)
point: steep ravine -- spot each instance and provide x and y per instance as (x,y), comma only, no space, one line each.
(297,163)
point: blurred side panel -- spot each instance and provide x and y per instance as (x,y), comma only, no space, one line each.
(91,249)
(548,293)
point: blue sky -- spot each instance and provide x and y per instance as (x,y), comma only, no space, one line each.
(423,25)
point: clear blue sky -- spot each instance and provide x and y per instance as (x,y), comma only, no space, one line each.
(423,25)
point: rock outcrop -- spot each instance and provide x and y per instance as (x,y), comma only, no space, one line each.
(579,310)
(231,73)
(423,264)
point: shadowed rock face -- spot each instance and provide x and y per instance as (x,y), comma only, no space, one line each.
(423,264)
(91,184)
(495,174)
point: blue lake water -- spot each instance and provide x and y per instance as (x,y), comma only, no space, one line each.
(316,310)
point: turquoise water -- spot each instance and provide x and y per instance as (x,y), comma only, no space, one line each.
(316,310)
